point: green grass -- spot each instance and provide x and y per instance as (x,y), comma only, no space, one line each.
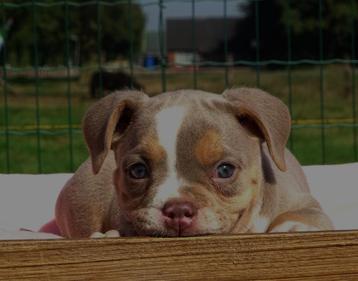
(55,155)
(338,142)
(54,113)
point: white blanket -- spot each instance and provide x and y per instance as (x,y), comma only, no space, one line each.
(336,188)
(27,201)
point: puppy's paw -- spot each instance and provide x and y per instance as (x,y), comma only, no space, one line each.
(293,226)
(306,219)
(109,234)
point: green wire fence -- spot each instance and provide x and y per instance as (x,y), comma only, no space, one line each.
(40,125)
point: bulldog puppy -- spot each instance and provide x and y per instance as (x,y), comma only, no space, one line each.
(187,163)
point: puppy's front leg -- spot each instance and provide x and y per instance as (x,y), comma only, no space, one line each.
(308,219)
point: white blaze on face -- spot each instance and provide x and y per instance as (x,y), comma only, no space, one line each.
(169,121)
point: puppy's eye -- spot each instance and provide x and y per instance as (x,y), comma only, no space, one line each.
(138,171)
(224,171)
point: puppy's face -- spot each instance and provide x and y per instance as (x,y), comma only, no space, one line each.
(186,168)
(185,165)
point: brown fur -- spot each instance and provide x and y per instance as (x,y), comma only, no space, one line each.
(269,114)
(208,149)
(247,127)
(153,149)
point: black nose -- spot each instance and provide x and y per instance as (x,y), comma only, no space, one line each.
(179,214)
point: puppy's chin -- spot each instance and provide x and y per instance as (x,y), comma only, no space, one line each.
(173,234)
(162,233)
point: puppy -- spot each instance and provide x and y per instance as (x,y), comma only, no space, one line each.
(188,163)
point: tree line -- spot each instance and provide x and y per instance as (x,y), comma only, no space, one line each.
(283,29)
(59,34)
(267,29)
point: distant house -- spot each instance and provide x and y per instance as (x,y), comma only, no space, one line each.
(209,39)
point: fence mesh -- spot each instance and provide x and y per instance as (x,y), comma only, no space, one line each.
(41,114)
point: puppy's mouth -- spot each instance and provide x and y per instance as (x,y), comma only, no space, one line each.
(139,224)
(142,230)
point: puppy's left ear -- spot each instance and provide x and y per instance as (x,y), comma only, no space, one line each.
(106,121)
(269,115)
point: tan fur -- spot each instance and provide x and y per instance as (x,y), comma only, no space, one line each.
(153,149)
(247,127)
(208,150)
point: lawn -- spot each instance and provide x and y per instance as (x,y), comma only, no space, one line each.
(50,148)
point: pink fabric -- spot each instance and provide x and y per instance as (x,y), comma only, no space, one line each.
(51,227)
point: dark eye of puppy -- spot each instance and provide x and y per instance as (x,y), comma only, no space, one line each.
(138,171)
(224,170)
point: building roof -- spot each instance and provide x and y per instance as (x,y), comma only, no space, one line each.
(209,33)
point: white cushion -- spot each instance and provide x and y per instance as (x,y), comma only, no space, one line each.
(336,188)
(27,201)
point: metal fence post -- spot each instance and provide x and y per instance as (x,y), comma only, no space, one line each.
(37,98)
(353,58)
(5,89)
(69,95)
(161,46)
(321,83)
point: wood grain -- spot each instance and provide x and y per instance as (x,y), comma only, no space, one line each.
(286,256)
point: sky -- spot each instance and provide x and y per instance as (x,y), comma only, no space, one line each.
(183,8)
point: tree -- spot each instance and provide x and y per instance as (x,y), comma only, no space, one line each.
(264,33)
(120,27)
(336,23)
(301,19)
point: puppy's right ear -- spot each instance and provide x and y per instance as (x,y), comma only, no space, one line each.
(268,114)
(106,121)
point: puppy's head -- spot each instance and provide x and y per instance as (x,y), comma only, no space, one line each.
(187,162)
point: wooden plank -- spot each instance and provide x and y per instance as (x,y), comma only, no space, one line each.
(286,256)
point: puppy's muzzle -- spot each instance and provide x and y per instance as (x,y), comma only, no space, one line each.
(179,215)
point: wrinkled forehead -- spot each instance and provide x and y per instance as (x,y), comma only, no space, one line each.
(192,124)
(174,113)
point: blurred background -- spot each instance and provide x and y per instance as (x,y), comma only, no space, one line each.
(58,57)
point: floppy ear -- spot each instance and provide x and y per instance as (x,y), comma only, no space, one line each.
(268,114)
(105,122)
